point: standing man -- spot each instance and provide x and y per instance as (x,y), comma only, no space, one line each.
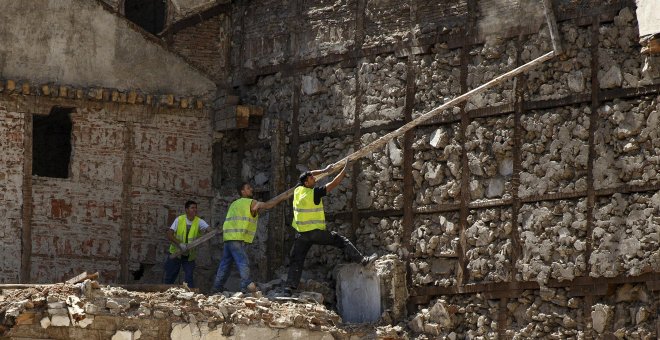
(309,222)
(237,232)
(183,230)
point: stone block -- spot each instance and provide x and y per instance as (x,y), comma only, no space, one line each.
(60,321)
(359,293)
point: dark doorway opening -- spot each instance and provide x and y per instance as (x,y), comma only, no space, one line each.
(51,143)
(148,14)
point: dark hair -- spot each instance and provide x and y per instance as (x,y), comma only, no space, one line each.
(189,203)
(303,177)
(241,186)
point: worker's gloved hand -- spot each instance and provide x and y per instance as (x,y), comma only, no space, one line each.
(183,246)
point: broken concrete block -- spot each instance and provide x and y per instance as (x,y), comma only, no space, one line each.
(124,335)
(45,322)
(60,320)
(85,322)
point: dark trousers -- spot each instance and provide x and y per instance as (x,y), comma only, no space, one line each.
(306,240)
(172,267)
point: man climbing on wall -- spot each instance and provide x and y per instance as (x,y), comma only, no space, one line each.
(237,232)
(309,222)
(185,229)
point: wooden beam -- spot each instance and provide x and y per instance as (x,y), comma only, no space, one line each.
(200,240)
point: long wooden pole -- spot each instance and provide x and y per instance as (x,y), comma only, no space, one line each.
(380,142)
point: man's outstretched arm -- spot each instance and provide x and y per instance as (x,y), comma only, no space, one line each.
(335,181)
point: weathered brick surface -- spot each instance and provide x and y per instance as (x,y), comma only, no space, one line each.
(205,46)
(11,195)
(77,222)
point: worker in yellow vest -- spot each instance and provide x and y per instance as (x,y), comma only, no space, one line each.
(185,229)
(238,231)
(309,222)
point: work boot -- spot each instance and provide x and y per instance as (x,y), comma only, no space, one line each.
(367,260)
(251,288)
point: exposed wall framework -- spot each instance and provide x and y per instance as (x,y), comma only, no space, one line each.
(494,167)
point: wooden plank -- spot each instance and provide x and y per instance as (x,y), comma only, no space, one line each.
(78,278)
(200,240)
(82,277)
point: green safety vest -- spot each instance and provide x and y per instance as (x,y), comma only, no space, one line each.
(181,235)
(307,215)
(239,224)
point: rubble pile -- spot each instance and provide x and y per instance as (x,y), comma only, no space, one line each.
(553,236)
(383,84)
(327,91)
(435,241)
(618,53)
(490,157)
(436,166)
(437,80)
(554,151)
(177,313)
(627,143)
(382,173)
(489,245)
(626,236)
(487,62)
(558,77)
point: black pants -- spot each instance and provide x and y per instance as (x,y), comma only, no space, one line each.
(306,240)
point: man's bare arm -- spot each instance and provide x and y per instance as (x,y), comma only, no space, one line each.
(258,207)
(335,181)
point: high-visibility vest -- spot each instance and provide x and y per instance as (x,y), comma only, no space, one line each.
(307,215)
(181,230)
(239,224)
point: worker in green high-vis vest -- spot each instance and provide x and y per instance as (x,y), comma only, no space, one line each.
(185,229)
(309,222)
(237,232)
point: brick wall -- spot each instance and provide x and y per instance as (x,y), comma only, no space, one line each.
(205,46)
(130,174)
(11,195)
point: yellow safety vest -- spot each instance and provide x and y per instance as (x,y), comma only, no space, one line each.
(239,224)
(181,235)
(307,215)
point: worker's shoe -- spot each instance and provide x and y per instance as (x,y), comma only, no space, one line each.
(367,260)
(251,288)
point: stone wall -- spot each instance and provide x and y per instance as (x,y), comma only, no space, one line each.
(522,185)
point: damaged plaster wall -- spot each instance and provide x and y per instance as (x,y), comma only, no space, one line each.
(79,43)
